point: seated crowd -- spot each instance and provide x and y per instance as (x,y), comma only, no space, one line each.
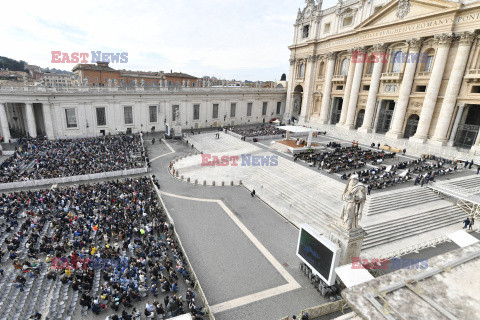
(342,158)
(40,158)
(263,130)
(117,228)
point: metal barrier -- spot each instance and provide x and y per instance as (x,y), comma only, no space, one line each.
(197,285)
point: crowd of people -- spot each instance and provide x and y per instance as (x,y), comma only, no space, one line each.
(118,227)
(263,130)
(342,158)
(41,158)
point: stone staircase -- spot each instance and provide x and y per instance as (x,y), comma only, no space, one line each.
(412,225)
(398,199)
(471,183)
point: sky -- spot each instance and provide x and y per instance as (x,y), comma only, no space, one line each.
(241,39)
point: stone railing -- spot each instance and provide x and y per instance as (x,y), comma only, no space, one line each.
(366,76)
(423,74)
(472,74)
(339,78)
(322,310)
(133,90)
(392,76)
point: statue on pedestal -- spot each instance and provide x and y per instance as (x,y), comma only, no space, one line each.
(109,82)
(188,83)
(115,83)
(353,200)
(25,81)
(142,83)
(183,83)
(135,83)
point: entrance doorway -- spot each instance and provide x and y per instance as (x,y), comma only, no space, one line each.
(360,116)
(468,129)
(411,127)
(385,116)
(336,110)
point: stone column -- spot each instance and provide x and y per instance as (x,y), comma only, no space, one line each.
(308,90)
(32,127)
(374,86)
(4,123)
(436,76)
(458,118)
(396,131)
(328,88)
(291,83)
(47,117)
(348,88)
(453,88)
(357,79)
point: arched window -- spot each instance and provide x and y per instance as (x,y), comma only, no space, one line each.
(321,68)
(301,71)
(397,62)
(344,67)
(427,67)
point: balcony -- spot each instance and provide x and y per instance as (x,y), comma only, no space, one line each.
(392,77)
(423,75)
(472,75)
(339,78)
(367,76)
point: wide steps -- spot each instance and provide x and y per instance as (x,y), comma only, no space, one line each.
(400,200)
(390,231)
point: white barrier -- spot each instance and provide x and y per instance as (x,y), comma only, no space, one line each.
(60,180)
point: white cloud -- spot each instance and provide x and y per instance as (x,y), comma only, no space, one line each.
(229,38)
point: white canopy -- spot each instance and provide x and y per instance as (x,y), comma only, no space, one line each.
(297,129)
(352,277)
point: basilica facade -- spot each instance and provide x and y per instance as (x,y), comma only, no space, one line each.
(403,69)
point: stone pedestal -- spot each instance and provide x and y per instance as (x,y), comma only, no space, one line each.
(350,241)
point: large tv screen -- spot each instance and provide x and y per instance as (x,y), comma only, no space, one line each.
(319,253)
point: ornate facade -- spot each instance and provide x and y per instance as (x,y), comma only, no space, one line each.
(405,69)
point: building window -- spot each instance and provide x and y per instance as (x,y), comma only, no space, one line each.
(101,119)
(306,31)
(326,28)
(264,108)
(249,109)
(301,71)
(152,111)
(397,62)
(215,111)
(96,79)
(175,108)
(347,21)
(344,67)
(233,108)
(196,111)
(428,63)
(128,115)
(321,68)
(279,107)
(366,87)
(71,118)
(421,89)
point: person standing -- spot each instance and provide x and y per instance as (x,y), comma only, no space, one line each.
(472,222)
(478,168)
(466,222)
(470,165)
